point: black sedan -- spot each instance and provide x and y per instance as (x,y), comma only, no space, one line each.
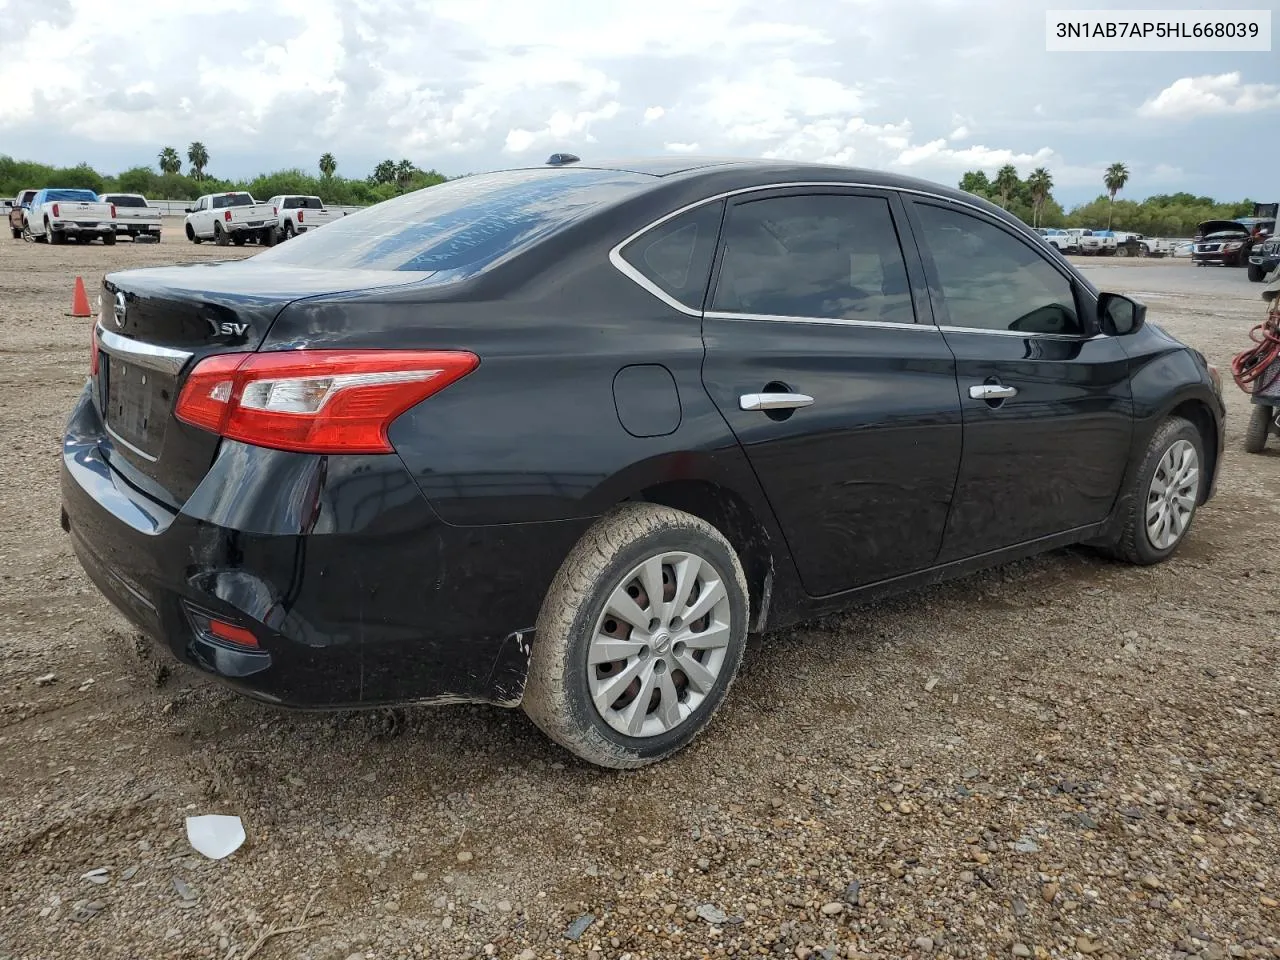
(562,437)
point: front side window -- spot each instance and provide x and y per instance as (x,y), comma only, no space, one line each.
(828,256)
(991,280)
(676,256)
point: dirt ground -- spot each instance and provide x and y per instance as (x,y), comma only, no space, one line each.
(1064,757)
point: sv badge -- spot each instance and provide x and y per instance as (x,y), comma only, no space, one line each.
(228,328)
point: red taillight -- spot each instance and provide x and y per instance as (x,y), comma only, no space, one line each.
(227,216)
(93,350)
(315,401)
(299,216)
(113,211)
(55,211)
(232,634)
(274,211)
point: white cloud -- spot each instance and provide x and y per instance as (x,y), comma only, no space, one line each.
(1211,94)
(959,133)
(681,147)
(653,113)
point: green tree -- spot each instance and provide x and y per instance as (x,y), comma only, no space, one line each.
(170,162)
(976,182)
(328,165)
(1040,184)
(384,172)
(404,174)
(198,157)
(1006,183)
(1115,178)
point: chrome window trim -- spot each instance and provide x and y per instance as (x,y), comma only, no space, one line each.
(830,321)
(638,278)
(149,355)
(125,443)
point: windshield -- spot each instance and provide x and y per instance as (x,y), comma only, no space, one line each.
(124,200)
(232,200)
(466,223)
(70,196)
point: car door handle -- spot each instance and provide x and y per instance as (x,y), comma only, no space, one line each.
(773,401)
(992,391)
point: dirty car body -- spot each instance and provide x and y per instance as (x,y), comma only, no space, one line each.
(605,372)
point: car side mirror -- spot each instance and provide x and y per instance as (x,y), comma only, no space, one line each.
(1119,316)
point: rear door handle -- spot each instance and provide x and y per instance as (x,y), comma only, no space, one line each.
(992,391)
(773,401)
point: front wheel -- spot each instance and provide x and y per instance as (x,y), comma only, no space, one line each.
(639,637)
(1163,494)
(1255,273)
(1255,437)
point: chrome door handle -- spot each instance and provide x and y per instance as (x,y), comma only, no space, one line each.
(992,391)
(773,401)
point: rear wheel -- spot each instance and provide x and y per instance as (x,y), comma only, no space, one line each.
(288,230)
(1255,273)
(109,239)
(1163,494)
(17,232)
(268,237)
(639,638)
(219,235)
(52,236)
(1255,437)
(1144,250)
(239,239)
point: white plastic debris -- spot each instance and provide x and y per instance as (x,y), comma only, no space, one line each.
(215,835)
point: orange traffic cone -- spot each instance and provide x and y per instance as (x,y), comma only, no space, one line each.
(80,301)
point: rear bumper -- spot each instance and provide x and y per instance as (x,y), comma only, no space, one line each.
(137,227)
(355,591)
(94,228)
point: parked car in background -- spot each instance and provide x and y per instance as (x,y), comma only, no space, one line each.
(1138,245)
(17,212)
(297,214)
(134,216)
(1093,243)
(561,437)
(230,218)
(1264,258)
(58,215)
(1223,242)
(1058,239)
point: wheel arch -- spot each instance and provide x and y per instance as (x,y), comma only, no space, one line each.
(1198,413)
(730,513)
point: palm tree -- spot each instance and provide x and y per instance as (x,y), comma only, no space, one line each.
(198,156)
(384,172)
(170,162)
(1040,182)
(1006,182)
(404,173)
(1115,178)
(327,165)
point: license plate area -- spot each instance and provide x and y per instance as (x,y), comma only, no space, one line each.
(137,404)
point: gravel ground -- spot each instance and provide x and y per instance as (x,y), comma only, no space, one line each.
(1063,757)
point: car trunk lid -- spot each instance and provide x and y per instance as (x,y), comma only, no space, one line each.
(156,324)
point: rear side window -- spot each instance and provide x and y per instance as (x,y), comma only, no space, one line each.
(828,256)
(676,256)
(991,280)
(462,225)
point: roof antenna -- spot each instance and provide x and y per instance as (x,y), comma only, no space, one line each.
(560,159)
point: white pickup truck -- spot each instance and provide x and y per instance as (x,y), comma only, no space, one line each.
(134,216)
(1138,245)
(58,214)
(297,214)
(1090,243)
(230,218)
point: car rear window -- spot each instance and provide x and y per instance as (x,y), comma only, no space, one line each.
(464,224)
(304,203)
(70,196)
(123,200)
(232,200)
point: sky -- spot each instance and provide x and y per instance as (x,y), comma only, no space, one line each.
(930,88)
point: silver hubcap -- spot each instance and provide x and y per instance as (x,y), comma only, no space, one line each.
(659,644)
(1171,499)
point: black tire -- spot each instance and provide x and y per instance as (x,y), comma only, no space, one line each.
(1133,544)
(109,239)
(557,696)
(288,230)
(191,234)
(1255,435)
(52,236)
(1256,273)
(219,235)
(1144,250)
(1121,251)
(17,232)
(239,239)
(268,237)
